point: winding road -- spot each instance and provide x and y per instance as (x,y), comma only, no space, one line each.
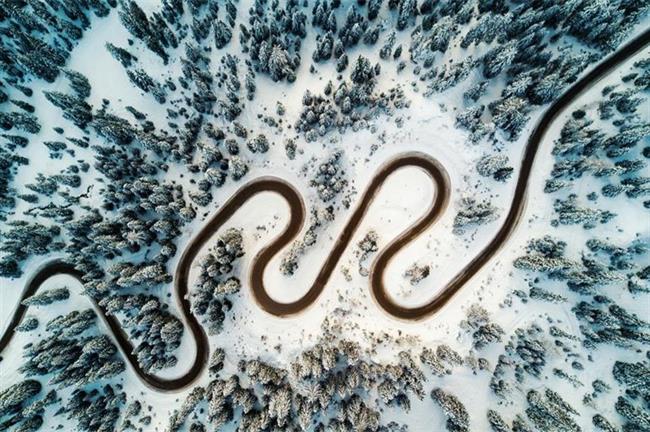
(437,174)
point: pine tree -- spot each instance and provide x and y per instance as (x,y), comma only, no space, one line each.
(74,108)
(47,297)
(441,34)
(497,59)
(457,416)
(510,115)
(78,82)
(278,64)
(373,8)
(362,73)
(222,34)
(121,55)
(406,13)
(13,398)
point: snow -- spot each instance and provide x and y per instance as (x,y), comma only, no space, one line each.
(428,127)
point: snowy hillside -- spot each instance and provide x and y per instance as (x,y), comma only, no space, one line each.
(157,159)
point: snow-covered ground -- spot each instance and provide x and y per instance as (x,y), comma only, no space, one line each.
(427,125)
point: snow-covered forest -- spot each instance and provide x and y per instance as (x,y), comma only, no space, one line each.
(127,127)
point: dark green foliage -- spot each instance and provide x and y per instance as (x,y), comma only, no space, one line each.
(12,399)
(20,120)
(154,33)
(216,361)
(79,83)
(157,331)
(179,416)
(570,212)
(222,34)
(636,418)
(635,377)
(114,128)
(546,255)
(71,354)
(496,422)
(216,282)
(549,412)
(603,424)
(28,324)
(22,239)
(330,178)
(457,416)
(95,410)
(74,108)
(47,297)
(525,354)
(121,55)
(603,321)
(483,331)
(274,49)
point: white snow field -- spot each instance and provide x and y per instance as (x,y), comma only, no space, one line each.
(346,309)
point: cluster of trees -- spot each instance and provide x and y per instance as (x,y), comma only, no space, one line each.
(602,321)
(528,354)
(41,36)
(525,354)
(549,412)
(157,331)
(22,239)
(93,237)
(140,212)
(470,119)
(495,166)
(584,148)
(442,360)
(129,418)
(96,409)
(625,259)
(29,323)
(153,31)
(546,410)
(318,218)
(216,282)
(9,164)
(232,105)
(47,297)
(635,379)
(416,273)
(570,212)
(601,264)
(274,37)
(504,35)
(49,185)
(498,424)
(163,30)
(72,352)
(455,411)
(22,405)
(352,103)
(367,246)
(196,75)
(335,41)
(481,327)
(330,178)
(216,166)
(472,212)
(323,389)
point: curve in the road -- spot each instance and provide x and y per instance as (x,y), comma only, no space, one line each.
(264,184)
(518,200)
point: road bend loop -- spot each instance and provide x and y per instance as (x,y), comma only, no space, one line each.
(439,203)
